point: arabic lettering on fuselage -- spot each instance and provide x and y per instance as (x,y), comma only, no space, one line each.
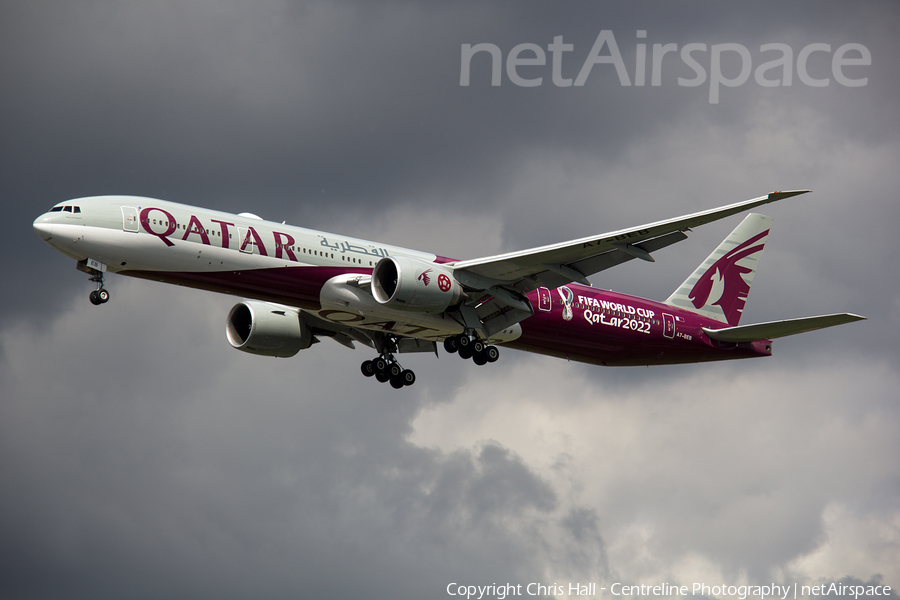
(344,247)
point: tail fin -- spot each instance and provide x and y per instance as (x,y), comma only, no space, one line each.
(718,288)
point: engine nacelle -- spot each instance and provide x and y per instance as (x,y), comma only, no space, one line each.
(411,284)
(267,329)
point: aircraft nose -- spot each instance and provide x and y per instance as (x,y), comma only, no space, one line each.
(43,227)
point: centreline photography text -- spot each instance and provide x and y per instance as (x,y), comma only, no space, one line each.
(667,590)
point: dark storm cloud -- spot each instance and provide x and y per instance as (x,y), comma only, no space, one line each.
(231,475)
(282,103)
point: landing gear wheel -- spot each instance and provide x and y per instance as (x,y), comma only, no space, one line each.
(394,371)
(479,359)
(367,368)
(450,345)
(103,295)
(404,378)
(95,298)
(463,341)
(382,377)
(492,353)
(477,347)
(380,365)
(465,352)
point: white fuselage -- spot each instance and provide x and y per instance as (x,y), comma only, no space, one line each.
(241,255)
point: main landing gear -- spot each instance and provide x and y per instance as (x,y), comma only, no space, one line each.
(386,368)
(469,346)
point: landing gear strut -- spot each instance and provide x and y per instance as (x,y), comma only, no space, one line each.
(469,346)
(385,368)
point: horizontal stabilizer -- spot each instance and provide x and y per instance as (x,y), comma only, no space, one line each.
(777,329)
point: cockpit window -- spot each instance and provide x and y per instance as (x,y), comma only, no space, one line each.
(77,209)
(67,209)
(56,209)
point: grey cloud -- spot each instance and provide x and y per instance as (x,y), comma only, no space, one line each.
(233,475)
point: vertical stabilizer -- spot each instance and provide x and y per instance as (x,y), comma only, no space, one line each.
(718,288)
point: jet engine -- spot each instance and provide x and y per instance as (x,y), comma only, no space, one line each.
(410,284)
(267,329)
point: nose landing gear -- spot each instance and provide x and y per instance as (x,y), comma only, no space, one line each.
(95,270)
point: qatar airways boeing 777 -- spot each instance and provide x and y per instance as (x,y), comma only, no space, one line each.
(300,285)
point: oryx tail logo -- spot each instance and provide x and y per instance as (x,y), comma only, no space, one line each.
(723,283)
(424,278)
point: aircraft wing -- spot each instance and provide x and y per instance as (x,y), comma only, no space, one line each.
(777,329)
(558,264)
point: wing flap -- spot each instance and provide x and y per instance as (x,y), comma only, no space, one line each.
(777,329)
(601,262)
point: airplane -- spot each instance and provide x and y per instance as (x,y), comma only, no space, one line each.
(299,285)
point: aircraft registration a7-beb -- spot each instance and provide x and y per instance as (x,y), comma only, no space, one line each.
(300,285)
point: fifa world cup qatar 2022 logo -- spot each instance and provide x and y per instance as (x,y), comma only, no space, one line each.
(568,299)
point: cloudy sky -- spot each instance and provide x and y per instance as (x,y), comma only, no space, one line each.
(142,457)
